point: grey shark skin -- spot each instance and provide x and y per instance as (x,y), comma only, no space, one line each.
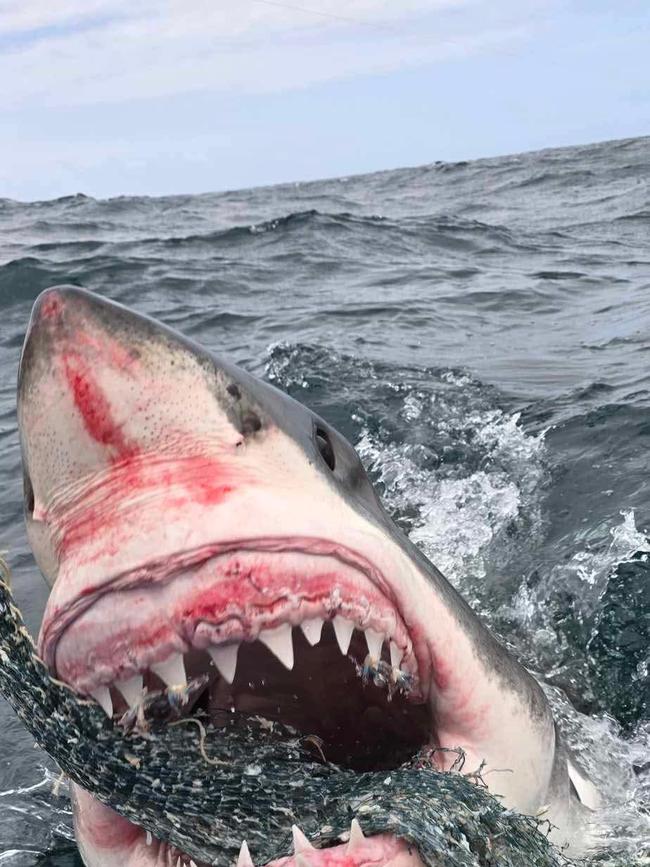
(184,511)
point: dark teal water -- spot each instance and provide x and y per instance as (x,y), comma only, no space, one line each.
(481,332)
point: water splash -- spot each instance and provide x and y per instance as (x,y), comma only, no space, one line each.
(39,813)
(618,764)
(468,500)
(585,575)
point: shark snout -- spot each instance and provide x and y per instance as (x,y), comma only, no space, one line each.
(138,445)
(122,425)
(73,375)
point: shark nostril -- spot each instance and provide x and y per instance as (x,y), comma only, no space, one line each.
(325,448)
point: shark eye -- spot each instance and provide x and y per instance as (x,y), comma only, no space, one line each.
(325,447)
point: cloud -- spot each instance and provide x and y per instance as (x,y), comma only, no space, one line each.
(67,53)
(232,16)
(17,18)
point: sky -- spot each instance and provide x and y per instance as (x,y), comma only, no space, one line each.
(143,97)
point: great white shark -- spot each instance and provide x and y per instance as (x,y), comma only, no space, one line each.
(193,519)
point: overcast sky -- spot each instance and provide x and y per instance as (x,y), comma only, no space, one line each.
(112,97)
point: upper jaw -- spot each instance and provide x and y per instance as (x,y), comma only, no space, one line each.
(246,630)
(215,599)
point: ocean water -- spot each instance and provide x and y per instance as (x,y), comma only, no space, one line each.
(481,332)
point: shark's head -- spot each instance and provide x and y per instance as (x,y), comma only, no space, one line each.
(192,519)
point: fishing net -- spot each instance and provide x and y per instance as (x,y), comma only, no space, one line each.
(206,787)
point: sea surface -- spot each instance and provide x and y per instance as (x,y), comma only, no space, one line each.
(481,332)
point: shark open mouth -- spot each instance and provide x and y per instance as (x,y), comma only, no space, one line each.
(305,638)
(299,631)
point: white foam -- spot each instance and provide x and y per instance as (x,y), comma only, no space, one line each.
(459,514)
(608,756)
(585,575)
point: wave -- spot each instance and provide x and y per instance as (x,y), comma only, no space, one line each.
(22,279)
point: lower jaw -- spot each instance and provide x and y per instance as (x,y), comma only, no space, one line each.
(105,839)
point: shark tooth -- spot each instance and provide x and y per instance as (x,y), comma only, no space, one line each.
(244,859)
(171,671)
(356,836)
(375,642)
(395,655)
(300,842)
(131,689)
(280,643)
(103,698)
(312,628)
(225,658)
(343,630)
